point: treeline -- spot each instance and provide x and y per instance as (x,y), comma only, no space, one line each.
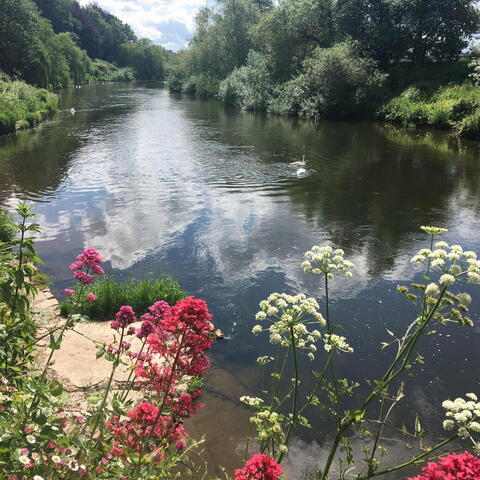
(320,58)
(56,43)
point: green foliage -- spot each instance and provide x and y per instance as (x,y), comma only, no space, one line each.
(455,106)
(20,102)
(111,295)
(248,87)
(335,82)
(470,126)
(7,228)
(103,71)
(145,58)
(203,85)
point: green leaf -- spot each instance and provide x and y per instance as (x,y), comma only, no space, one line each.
(56,388)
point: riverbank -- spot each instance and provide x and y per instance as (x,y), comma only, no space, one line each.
(454,107)
(23,106)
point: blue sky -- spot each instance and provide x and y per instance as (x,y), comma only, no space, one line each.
(166,22)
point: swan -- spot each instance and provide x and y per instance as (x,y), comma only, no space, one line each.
(301,172)
(299,163)
(72,111)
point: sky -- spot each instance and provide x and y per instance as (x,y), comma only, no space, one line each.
(167,22)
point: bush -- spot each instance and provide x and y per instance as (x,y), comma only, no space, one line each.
(469,127)
(248,87)
(203,85)
(111,295)
(454,106)
(7,228)
(336,82)
(21,106)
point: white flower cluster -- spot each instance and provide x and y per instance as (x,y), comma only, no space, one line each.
(268,426)
(462,415)
(327,261)
(287,314)
(251,401)
(451,261)
(433,230)
(336,342)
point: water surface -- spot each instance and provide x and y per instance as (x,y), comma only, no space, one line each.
(169,185)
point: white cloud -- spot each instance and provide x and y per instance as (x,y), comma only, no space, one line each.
(167,22)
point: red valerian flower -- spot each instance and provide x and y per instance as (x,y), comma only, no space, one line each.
(124,317)
(456,466)
(259,467)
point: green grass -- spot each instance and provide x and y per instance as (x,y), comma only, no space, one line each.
(455,107)
(139,294)
(22,105)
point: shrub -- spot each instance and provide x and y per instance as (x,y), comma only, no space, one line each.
(202,85)
(7,228)
(21,105)
(335,82)
(469,127)
(248,87)
(139,294)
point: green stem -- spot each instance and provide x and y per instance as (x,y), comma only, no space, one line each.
(414,460)
(131,382)
(294,412)
(116,362)
(405,352)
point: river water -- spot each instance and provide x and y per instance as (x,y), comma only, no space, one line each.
(161,184)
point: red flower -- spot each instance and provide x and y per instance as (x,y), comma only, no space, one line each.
(259,467)
(124,317)
(456,466)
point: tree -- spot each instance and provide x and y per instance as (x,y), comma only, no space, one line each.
(19,30)
(438,29)
(146,58)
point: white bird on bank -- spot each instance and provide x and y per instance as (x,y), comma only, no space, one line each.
(72,111)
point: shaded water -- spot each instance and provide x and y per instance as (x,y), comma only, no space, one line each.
(167,185)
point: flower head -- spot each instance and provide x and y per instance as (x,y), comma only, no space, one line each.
(327,261)
(259,467)
(91,297)
(124,317)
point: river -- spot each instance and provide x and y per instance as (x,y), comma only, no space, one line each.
(162,184)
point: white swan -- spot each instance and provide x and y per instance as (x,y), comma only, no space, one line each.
(72,111)
(301,172)
(299,163)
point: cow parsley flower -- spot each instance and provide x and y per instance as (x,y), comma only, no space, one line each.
(327,261)
(290,316)
(336,342)
(447,279)
(433,230)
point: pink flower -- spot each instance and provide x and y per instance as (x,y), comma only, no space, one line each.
(259,467)
(124,317)
(52,444)
(69,292)
(76,266)
(180,445)
(83,277)
(463,466)
(91,297)
(27,429)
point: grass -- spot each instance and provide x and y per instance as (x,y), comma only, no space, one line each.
(454,107)
(139,294)
(23,106)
